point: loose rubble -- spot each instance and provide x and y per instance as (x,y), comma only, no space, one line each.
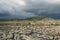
(31,33)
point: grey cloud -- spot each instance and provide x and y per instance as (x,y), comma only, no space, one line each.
(13,8)
(32,8)
(39,7)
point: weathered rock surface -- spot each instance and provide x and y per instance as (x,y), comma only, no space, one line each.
(31,33)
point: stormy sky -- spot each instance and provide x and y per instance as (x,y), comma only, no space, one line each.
(29,8)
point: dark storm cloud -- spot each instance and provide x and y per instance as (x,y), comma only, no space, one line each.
(14,7)
(44,8)
(29,8)
(38,7)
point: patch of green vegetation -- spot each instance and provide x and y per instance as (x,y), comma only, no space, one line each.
(54,34)
(36,18)
(5,28)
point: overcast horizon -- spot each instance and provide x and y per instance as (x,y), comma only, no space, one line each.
(29,8)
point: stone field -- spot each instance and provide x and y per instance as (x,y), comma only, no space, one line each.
(30,33)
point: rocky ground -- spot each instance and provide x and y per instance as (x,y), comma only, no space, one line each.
(30,33)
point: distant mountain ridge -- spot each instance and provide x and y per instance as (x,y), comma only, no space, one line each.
(7,15)
(21,17)
(30,18)
(36,18)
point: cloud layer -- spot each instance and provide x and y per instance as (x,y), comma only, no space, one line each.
(29,8)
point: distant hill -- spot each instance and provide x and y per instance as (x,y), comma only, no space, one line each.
(36,18)
(30,18)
